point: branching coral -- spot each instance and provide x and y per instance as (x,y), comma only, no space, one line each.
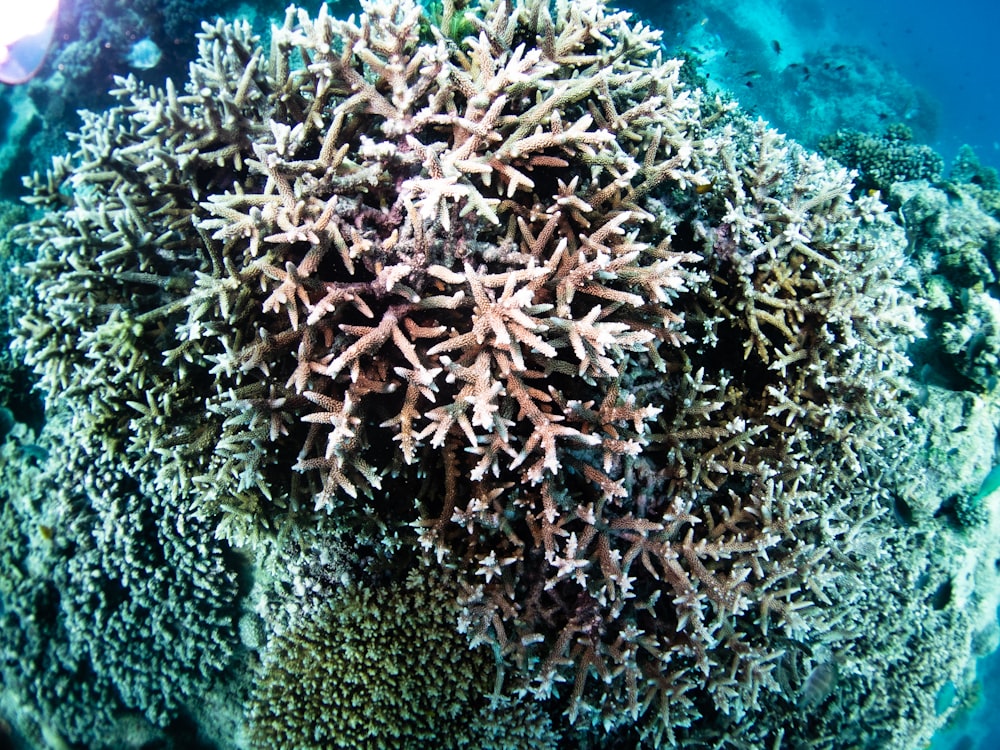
(423,270)
(17,402)
(494,288)
(117,612)
(108,336)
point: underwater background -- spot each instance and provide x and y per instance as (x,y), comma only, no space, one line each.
(846,79)
(941,55)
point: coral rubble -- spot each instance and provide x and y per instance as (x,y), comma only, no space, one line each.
(480,310)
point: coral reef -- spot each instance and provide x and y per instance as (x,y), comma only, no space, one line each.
(955,247)
(881,161)
(118,609)
(789,63)
(15,378)
(476,324)
(966,168)
(96,39)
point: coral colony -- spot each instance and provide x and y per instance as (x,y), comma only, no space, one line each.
(463,376)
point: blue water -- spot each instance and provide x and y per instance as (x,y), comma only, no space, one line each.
(949,49)
(946,52)
(978,729)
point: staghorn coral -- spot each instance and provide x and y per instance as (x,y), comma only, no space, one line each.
(492,287)
(381,262)
(103,336)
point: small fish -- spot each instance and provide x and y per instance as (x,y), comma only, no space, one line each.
(841,66)
(990,485)
(776,46)
(36,452)
(751,74)
(704,188)
(818,685)
(749,84)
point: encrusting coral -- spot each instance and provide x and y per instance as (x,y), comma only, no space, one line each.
(489,286)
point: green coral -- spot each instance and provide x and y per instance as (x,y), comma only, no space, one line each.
(117,610)
(447,17)
(383,666)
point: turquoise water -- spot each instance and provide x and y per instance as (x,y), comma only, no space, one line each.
(947,52)
(978,728)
